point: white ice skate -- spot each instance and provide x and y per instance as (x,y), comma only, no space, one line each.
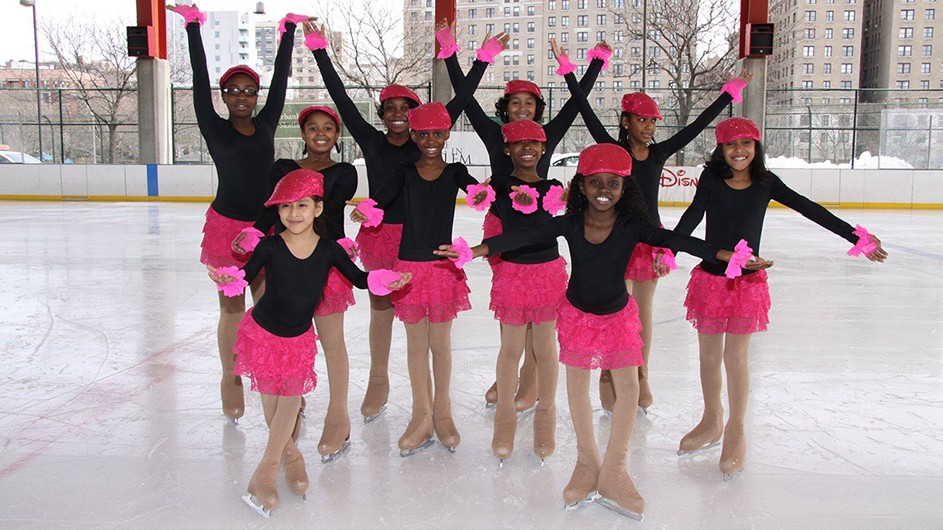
(369,419)
(606,503)
(699,449)
(418,449)
(330,457)
(580,503)
(251,500)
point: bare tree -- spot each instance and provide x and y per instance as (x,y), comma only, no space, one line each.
(694,43)
(376,52)
(94,55)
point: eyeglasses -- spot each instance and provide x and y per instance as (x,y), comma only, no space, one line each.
(235,91)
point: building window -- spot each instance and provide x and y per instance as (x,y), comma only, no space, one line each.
(808,68)
(928,33)
(829,16)
(930,14)
(846,68)
(924,68)
(925,85)
(530,27)
(809,16)
(927,50)
(847,51)
(581,20)
(808,33)
(848,33)
(530,44)
(903,85)
(828,51)
(552,22)
(828,33)
(905,33)
(600,36)
(472,13)
(472,29)
(600,20)
(807,84)
(808,51)
(564,21)
(827,68)
(530,11)
(848,16)
(903,68)
(904,50)
(906,14)
(826,84)
(847,86)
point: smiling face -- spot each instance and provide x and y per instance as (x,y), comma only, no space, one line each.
(240,106)
(522,106)
(394,114)
(641,130)
(430,142)
(525,154)
(739,155)
(298,217)
(319,133)
(602,190)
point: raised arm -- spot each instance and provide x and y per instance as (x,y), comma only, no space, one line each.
(578,101)
(465,92)
(729,93)
(275,101)
(202,94)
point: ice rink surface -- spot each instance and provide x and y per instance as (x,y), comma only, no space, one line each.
(111,417)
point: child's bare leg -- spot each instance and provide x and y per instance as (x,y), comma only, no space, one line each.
(336,433)
(737,365)
(231,311)
(440,342)
(584,480)
(644,294)
(280,414)
(711,427)
(615,485)
(527,387)
(381,336)
(420,429)
(505,416)
(545,420)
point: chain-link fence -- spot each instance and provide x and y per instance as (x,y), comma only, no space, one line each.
(92,127)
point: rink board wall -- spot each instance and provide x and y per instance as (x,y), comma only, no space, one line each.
(849,188)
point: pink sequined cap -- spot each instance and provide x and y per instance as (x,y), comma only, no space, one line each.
(519,85)
(297,185)
(239,69)
(398,91)
(605,158)
(733,129)
(429,117)
(303,115)
(641,104)
(520,130)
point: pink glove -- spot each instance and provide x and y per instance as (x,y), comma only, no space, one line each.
(742,253)
(350,247)
(664,256)
(525,208)
(600,52)
(866,243)
(490,50)
(315,40)
(733,87)
(290,17)
(474,189)
(464,252)
(189,13)
(369,209)
(235,287)
(566,66)
(553,201)
(378,281)
(249,242)
(447,45)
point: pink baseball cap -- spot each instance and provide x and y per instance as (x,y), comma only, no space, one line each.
(297,185)
(303,115)
(733,129)
(520,85)
(398,91)
(605,158)
(640,104)
(520,130)
(429,117)
(239,69)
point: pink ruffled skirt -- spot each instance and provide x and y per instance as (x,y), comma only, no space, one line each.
(523,294)
(218,234)
(281,366)
(717,304)
(599,341)
(437,291)
(379,245)
(641,263)
(338,295)
(492,226)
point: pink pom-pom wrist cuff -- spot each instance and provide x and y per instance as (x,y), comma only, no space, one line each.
(464,252)
(490,50)
(374,215)
(866,243)
(447,44)
(553,200)
(252,238)
(350,247)
(525,208)
(290,17)
(378,281)
(665,256)
(235,287)
(315,41)
(475,189)
(602,53)
(734,87)
(566,66)
(741,255)
(190,14)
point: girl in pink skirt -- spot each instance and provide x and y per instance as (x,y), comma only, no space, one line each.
(527,287)
(276,344)
(428,189)
(598,321)
(733,192)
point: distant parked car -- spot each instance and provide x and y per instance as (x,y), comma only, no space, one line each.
(565,160)
(16,157)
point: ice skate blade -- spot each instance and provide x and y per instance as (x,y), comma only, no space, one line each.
(610,504)
(489,405)
(418,449)
(607,412)
(643,410)
(526,412)
(370,419)
(327,459)
(580,503)
(730,476)
(450,448)
(698,450)
(249,499)
(232,421)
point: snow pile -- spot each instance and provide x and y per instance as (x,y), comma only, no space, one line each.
(865,161)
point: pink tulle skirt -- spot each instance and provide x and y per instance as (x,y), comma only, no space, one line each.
(282,366)
(379,245)
(522,294)
(599,341)
(218,233)
(491,227)
(717,304)
(338,295)
(640,264)
(437,291)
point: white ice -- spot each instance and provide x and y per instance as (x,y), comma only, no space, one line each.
(110,413)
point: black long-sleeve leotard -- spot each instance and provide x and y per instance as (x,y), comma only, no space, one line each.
(734,214)
(597,282)
(512,219)
(293,286)
(242,162)
(382,157)
(647,173)
(340,184)
(489,130)
(429,207)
